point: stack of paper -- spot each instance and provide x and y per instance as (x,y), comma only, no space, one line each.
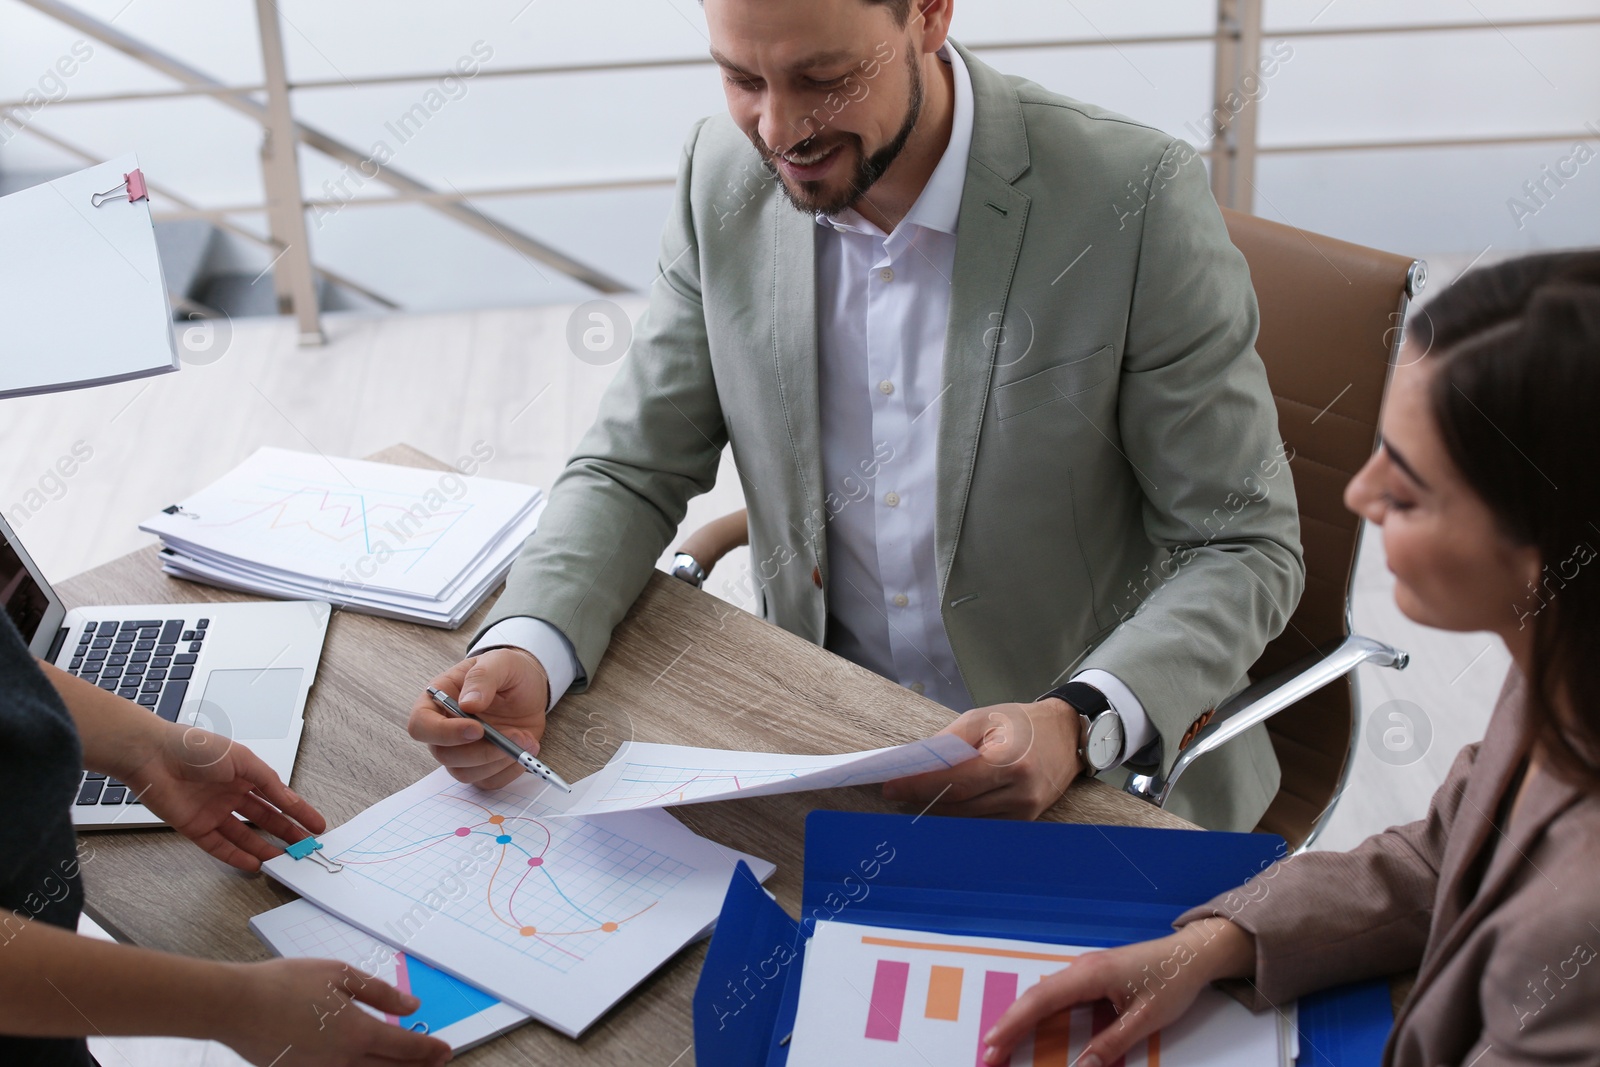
(404,542)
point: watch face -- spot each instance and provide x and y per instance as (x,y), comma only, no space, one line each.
(1105,741)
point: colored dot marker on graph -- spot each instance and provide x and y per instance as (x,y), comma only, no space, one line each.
(463,831)
(609,928)
(504,839)
(496,820)
(528,931)
(536,861)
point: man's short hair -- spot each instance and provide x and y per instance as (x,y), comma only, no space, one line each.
(900,9)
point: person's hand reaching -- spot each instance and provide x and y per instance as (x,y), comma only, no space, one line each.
(197,781)
(1193,957)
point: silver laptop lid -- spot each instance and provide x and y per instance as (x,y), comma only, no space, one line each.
(29,600)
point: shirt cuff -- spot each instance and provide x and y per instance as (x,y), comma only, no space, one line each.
(547,644)
(1137,729)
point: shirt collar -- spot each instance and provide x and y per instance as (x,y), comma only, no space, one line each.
(939,204)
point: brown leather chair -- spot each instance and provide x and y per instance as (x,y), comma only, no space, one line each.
(1331,316)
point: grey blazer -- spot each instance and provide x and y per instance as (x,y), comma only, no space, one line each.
(1504,926)
(1112,491)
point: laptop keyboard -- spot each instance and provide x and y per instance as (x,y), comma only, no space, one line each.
(147,661)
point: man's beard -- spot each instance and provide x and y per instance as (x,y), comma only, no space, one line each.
(810,197)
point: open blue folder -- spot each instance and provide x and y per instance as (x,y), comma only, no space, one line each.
(1060,882)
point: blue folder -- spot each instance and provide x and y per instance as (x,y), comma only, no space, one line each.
(1060,882)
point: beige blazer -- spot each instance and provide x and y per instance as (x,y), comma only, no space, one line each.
(1111,486)
(1503,927)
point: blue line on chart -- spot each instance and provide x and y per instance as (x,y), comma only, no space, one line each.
(566,898)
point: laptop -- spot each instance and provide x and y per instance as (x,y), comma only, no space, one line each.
(242,670)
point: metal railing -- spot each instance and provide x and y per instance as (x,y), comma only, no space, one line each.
(1233,148)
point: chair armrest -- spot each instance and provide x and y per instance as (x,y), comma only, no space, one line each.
(717,538)
(1262,700)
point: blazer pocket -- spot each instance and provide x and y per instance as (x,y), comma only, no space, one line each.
(1054,383)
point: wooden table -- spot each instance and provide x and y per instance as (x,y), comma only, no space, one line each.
(684,667)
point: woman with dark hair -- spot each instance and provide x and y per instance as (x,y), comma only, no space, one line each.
(1487,487)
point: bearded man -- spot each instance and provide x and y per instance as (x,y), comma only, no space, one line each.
(985,357)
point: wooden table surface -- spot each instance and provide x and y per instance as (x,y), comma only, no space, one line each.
(684,667)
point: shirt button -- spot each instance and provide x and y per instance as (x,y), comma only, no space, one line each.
(887,274)
(892,499)
(901,600)
(886,387)
(918,688)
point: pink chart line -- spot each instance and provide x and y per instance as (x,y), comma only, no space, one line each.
(680,788)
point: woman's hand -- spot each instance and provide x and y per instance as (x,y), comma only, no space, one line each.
(194,779)
(197,780)
(1151,984)
(300,1013)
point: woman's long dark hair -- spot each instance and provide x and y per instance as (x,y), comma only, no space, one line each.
(1516,395)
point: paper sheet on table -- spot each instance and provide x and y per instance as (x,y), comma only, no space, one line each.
(643,775)
(452,1010)
(905,998)
(558,917)
(81,290)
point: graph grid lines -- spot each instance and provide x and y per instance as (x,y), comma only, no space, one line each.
(555,890)
(639,783)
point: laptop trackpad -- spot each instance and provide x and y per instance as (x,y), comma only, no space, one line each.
(251,704)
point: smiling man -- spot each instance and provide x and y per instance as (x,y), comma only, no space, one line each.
(985,357)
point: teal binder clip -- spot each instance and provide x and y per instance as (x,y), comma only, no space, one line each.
(308,849)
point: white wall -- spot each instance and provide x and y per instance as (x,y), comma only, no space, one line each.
(629,125)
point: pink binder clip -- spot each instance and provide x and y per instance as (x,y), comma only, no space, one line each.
(132,188)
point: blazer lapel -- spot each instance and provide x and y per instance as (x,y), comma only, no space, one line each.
(989,229)
(1546,798)
(794,359)
(1459,910)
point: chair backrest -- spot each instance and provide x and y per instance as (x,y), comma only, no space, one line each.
(1331,314)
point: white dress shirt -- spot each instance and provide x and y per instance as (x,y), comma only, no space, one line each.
(883,305)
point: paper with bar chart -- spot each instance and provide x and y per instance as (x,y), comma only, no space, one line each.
(558,917)
(643,775)
(903,998)
(451,1010)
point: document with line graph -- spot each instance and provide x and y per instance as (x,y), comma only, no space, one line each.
(557,917)
(906,998)
(644,775)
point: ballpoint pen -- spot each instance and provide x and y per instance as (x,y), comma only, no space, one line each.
(529,762)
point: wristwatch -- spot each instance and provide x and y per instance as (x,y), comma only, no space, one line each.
(1103,737)
(688,568)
